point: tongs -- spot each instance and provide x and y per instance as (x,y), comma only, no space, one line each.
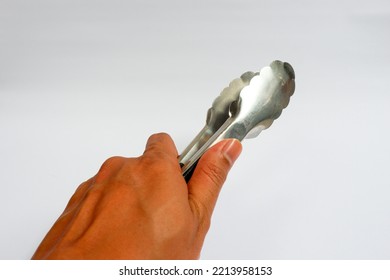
(247,106)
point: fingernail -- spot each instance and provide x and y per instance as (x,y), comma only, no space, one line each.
(231,150)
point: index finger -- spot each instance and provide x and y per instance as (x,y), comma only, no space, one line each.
(161,143)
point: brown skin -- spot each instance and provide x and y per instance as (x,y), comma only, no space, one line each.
(142,208)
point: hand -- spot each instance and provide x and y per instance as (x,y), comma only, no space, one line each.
(142,208)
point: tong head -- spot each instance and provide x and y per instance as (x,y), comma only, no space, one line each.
(217,114)
(245,108)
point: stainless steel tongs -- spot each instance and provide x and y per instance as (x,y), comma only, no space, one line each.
(243,109)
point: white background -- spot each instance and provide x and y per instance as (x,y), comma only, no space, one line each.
(81,81)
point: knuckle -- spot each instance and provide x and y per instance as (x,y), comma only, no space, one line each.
(159,161)
(156,164)
(162,134)
(112,161)
(214,173)
(108,167)
(155,139)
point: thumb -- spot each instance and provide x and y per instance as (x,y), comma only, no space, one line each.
(209,176)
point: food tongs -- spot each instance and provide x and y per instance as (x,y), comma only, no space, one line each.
(243,109)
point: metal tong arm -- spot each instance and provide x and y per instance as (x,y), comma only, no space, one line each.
(257,106)
(217,114)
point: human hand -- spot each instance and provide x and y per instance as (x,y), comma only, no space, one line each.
(142,208)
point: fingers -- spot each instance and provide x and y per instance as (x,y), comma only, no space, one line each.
(210,174)
(161,143)
(78,196)
(161,156)
(57,230)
